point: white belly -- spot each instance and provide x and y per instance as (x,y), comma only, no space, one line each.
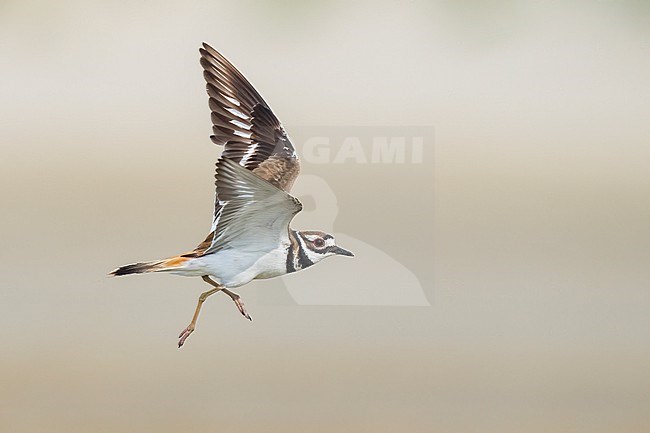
(234,268)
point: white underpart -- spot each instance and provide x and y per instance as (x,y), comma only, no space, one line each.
(234,268)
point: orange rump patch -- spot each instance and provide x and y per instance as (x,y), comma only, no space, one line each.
(175,261)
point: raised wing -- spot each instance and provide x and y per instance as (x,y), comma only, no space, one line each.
(252,136)
(245,125)
(253,214)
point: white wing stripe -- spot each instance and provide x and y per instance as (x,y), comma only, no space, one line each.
(238,114)
(250,152)
(240,124)
(241,134)
(232,100)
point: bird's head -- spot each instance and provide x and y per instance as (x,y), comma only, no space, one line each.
(318,245)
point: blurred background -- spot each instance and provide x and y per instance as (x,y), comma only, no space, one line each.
(526,225)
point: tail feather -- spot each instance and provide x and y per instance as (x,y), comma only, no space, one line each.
(146,267)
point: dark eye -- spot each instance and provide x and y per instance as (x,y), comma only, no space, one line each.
(319,242)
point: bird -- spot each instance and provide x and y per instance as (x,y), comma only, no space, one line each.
(250,236)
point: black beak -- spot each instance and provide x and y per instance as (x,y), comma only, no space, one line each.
(340,251)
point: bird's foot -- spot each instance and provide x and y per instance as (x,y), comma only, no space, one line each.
(240,306)
(183,336)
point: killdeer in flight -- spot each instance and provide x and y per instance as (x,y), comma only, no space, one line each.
(250,236)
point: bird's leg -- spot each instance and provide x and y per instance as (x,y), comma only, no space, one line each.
(240,304)
(187,331)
